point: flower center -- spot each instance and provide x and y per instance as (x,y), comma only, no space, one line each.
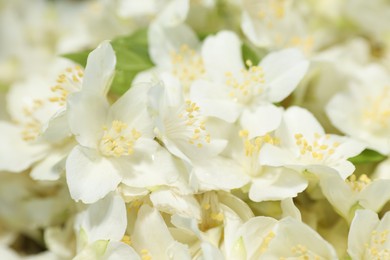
(301,252)
(187,65)
(212,215)
(252,148)
(267,239)
(319,149)
(377,247)
(271,11)
(67,82)
(145,255)
(358,184)
(119,140)
(377,113)
(188,125)
(248,84)
(39,110)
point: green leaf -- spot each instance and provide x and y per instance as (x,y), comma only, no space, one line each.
(367,156)
(252,53)
(132,57)
(78,57)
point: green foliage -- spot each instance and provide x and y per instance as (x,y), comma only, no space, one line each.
(367,156)
(132,57)
(252,53)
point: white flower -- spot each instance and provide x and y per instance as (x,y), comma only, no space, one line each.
(368,236)
(39,119)
(180,124)
(305,146)
(363,111)
(166,12)
(294,239)
(354,193)
(174,51)
(232,89)
(151,237)
(115,143)
(271,23)
(266,183)
(100,229)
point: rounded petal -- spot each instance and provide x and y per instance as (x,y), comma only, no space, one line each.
(219,174)
(87,115)
(119,251)
(170,202)
(17,154)
(290,233)
(283,70)
(90,176)
(163,40)
(100,69)
(360,232)
(173,13)
(221,54)
(50,168)
(277,184)
(262,120)
(214,101)
(104,220)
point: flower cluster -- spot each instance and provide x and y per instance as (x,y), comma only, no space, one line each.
(196,129)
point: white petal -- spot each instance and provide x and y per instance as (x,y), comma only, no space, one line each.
(16,154)
(210,252)
(131,108)
(338,193)
(283,70)
(173,13)
(219,174)
(119,251)
(163,40)
(375,195)
(99,70)
(86,116)
(300,120)
(50,168)
(254,231)
(277,184)
(275,156)
(209,150)
(57,127)
(90,176)
(264,119)
(159,168)
(289,209)
(173,203)
(151,232)
(214,101)
(291,232)
(362,225)
(222,53)
(104,220)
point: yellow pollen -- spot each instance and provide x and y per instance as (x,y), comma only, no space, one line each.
(193,121)
(187,65)
(358,184)
(319,149)
(376,249)
(267,239)
(247,84)
(253,146)
(126,239)
(67,83)
(377,112)
(118,140)
(145,255)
